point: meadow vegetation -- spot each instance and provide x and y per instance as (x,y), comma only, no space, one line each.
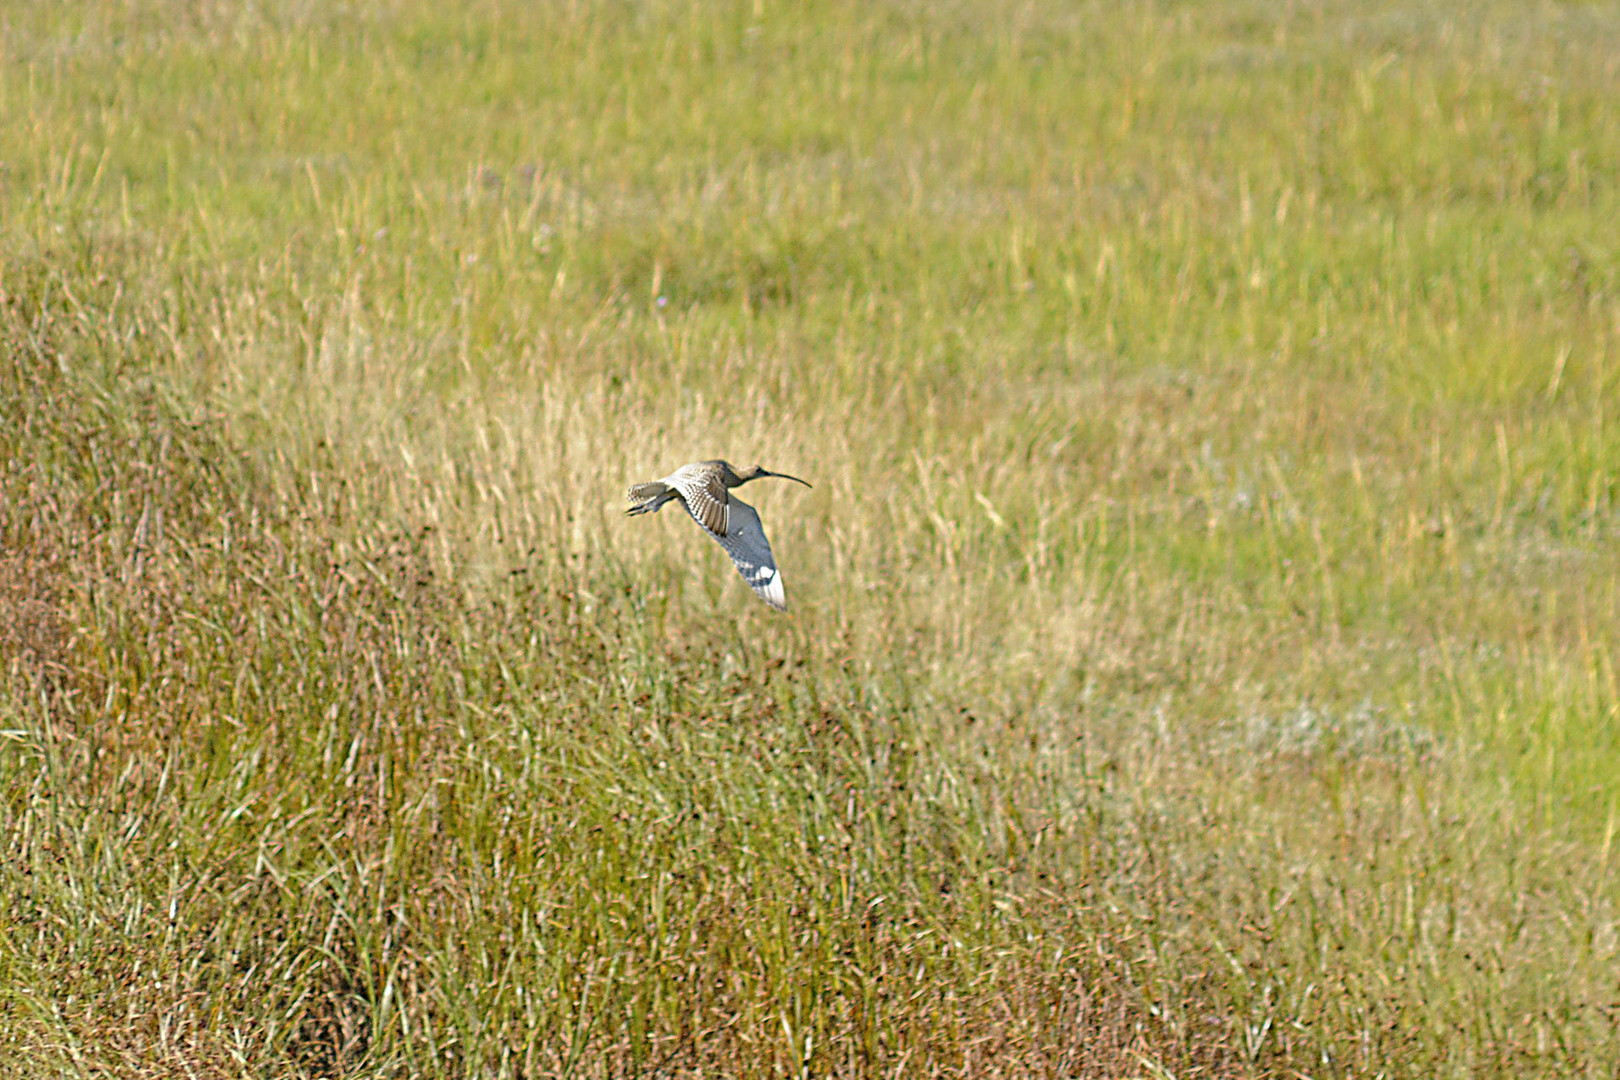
(1201,655)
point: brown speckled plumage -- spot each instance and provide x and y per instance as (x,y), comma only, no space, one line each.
(703,488)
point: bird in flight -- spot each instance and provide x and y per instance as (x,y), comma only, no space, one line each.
(704,489)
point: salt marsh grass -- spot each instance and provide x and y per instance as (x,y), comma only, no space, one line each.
(1202,649)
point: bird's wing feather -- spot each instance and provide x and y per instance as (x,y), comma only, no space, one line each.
(705,497)
(746,544)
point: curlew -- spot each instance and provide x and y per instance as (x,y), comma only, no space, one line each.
(704,489)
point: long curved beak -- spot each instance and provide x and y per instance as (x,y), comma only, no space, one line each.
(785,476)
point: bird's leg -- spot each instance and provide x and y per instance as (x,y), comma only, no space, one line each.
(651,496)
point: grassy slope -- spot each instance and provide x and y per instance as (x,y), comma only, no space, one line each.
(1204,619)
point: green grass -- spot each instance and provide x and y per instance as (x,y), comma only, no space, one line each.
(1202,649)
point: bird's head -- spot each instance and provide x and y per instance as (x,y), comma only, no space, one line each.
(757,471)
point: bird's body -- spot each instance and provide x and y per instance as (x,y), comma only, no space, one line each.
(704,489)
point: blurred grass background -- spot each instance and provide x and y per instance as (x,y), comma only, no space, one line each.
(1202,649)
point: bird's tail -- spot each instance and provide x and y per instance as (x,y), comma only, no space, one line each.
(649,496)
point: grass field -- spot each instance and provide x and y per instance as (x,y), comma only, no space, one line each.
(1202,654)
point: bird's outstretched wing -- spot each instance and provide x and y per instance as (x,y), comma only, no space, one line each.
(705,497)
(746,544)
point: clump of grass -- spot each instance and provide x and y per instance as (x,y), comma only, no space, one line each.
(1201,655)
(300,803)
